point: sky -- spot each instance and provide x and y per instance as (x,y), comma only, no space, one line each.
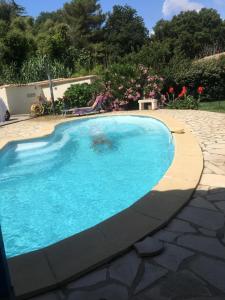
(151,10)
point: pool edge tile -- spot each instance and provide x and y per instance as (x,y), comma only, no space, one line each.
(31,274)
(73,256)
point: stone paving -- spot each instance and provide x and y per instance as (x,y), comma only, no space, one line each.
(15,119)
(192,265)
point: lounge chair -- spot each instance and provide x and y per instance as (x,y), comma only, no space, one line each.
(96,107)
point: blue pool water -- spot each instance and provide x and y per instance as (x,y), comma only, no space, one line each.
(84,173)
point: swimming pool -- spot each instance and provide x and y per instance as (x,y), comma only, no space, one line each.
(87,171)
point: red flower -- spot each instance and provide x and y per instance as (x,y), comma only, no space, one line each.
(200,90)
(171,90)
(183,92)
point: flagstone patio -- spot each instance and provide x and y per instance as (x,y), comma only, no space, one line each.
(192,265)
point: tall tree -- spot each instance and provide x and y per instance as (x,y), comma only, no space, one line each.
(16,39)
(10,9)
(191,32)
(55,16)
(85,19)
(125,31)
(53,40)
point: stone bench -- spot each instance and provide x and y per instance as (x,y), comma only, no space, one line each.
(153,102)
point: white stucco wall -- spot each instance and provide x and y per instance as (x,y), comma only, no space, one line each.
(19,98)
(3,95)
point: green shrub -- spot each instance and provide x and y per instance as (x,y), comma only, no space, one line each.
(8,74)
(78,95)
(187,102)
(36,68)
(48,107)
(207,73)
(82,72)
(96,70)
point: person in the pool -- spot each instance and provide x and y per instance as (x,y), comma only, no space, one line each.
(101,140)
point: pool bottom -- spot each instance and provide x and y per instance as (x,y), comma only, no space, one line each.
(81,175)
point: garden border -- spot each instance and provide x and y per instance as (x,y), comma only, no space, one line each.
(56,265)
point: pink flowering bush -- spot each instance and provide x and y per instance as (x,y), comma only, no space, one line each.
(129,83)
(153,87)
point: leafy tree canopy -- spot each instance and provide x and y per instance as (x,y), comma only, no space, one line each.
(192,33)
(10,9)
(125,31)
(80,37)
(85,19)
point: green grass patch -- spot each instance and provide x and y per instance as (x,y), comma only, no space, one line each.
(215,106)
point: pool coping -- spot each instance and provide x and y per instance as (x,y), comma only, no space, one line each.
(54,266)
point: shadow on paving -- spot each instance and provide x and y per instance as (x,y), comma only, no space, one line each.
(16,119)
(191,266)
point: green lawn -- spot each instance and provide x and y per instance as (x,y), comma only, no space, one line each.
(216,106)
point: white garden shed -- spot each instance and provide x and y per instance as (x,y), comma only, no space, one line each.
(19,97)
